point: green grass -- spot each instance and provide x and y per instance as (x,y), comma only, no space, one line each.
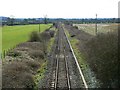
(13,35)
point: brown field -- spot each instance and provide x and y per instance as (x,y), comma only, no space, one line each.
(101,28)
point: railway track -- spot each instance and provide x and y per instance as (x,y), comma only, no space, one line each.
(66,73)
(61,66)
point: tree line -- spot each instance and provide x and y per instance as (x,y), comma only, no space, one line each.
(12,21)
(16,21)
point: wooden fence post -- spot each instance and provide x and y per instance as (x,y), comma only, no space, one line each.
(4,53)
(1,55)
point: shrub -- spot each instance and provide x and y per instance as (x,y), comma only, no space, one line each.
(12,72)
(37,54)
(32,64)
(52,33)
(27,81)
(45,36)
(76,27)
(19,74)
(34,36)
(14,53)
(102,55)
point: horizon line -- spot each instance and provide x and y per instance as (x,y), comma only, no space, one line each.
(60,17)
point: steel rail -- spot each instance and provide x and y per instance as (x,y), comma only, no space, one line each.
(80,71)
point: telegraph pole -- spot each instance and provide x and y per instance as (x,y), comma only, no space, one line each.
(96,25)
(12,20)
(39,24)
(45,19)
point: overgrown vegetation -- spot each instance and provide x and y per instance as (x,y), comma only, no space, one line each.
(53,33)
(19,69)
(88,74)
(24,66)
(101,54)
(34,36)
(39,75)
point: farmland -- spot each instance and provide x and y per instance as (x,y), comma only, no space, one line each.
(13,35)
(101,28)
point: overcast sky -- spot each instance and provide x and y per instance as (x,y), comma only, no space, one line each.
(59,8)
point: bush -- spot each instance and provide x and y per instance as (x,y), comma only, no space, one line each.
(76,27)
(11,76)
(19,74)
(27,81)
(52,33)
(32,64)
(37,54)
(34,36)
(45,36)
(14,53)
(102,55)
